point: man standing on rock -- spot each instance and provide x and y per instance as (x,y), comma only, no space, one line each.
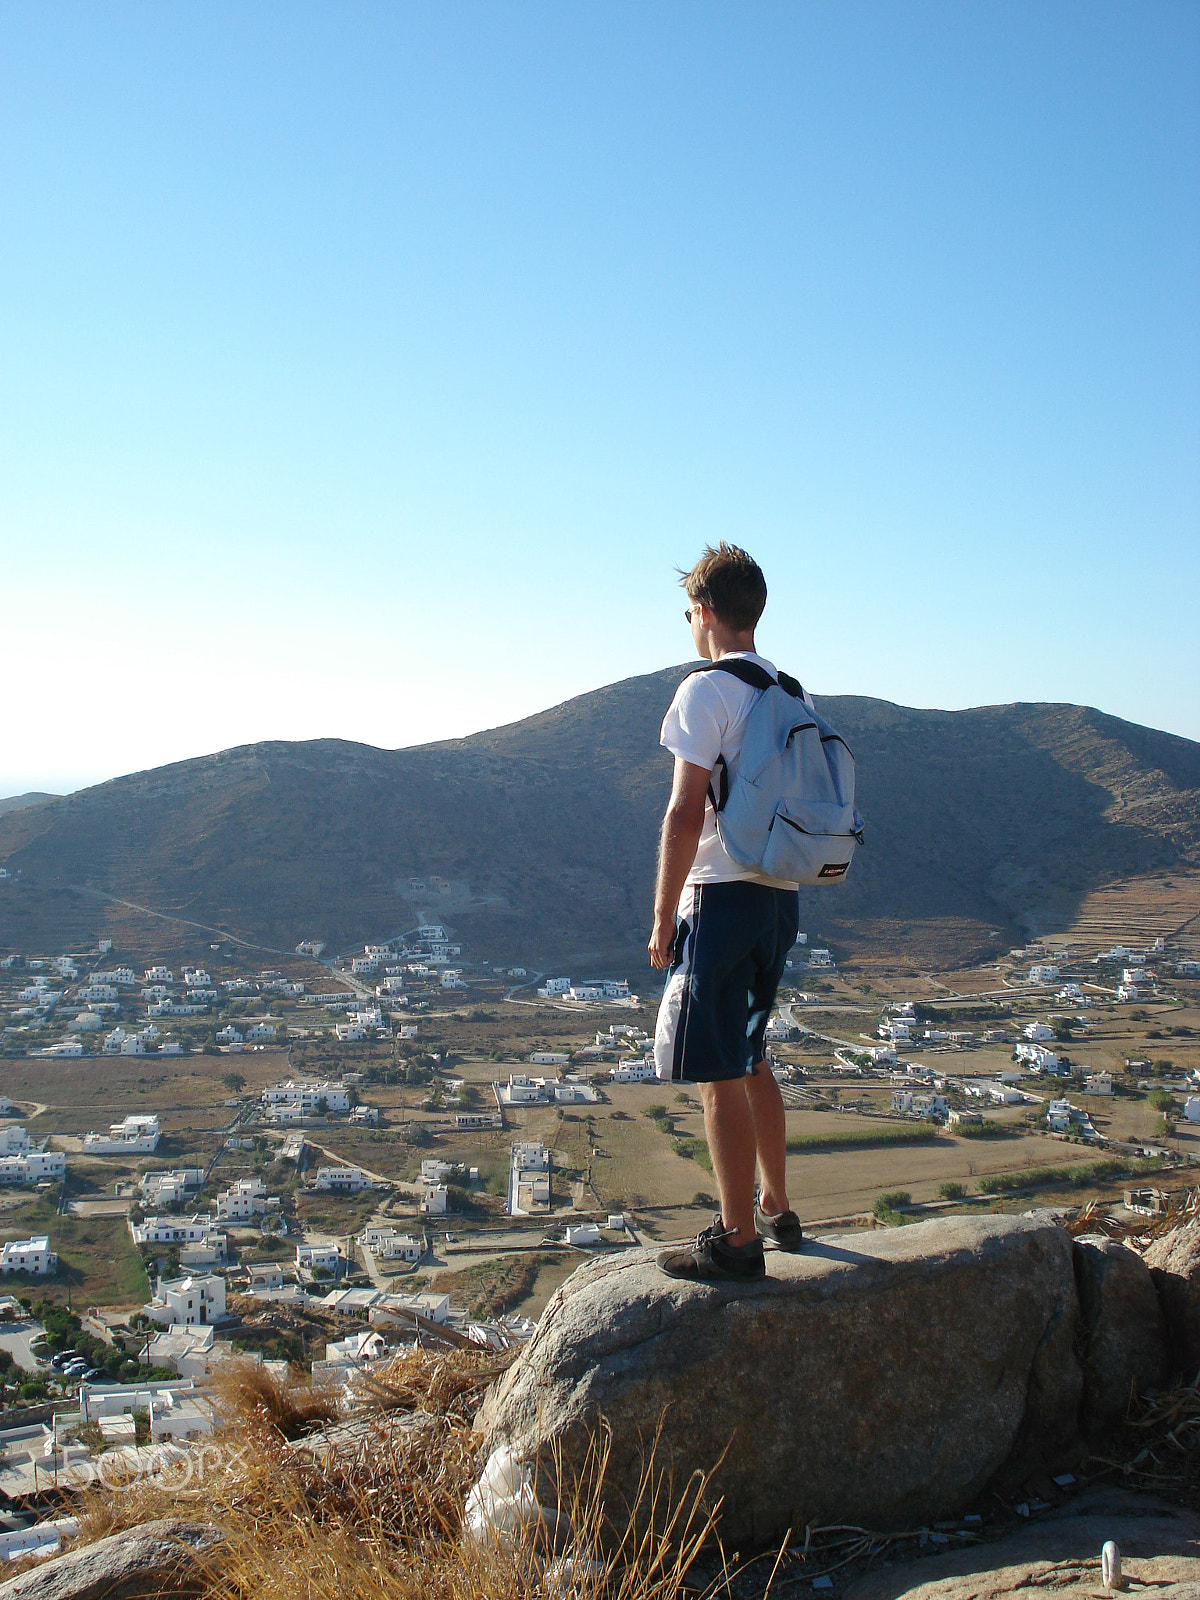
(725,930)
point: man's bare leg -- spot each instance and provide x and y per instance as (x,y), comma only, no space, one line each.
(729,1128)
(770,1136)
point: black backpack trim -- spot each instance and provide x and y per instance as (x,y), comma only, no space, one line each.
(750,672)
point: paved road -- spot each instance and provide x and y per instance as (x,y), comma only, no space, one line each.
(787,1012)
(164,916)
(16,1338)
(341,1161)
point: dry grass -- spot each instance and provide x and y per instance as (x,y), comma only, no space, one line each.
(448,1384)
(373,1507)
(1138,1232)
(245,1390)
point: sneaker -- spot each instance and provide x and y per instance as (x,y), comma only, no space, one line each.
(710,1258)
(781,1232)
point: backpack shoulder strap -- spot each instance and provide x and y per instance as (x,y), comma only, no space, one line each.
(750,672)
(758,678)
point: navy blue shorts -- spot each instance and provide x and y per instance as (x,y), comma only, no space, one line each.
(731,943)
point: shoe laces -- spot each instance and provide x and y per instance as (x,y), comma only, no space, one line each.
(715,1230)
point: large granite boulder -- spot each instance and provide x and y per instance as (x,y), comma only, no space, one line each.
(875,1379)
(1174,1262)
(1123,1333)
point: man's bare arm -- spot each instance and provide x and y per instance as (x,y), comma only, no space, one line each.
(681,826)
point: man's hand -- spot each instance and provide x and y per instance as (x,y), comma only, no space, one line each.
(681,828)
(661,942)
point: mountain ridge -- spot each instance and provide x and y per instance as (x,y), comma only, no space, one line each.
(541,833)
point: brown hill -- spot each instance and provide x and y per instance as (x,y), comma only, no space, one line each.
(18,802)
(982,826)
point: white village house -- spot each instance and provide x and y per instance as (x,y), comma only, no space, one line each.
(29,1255)
(245,1199)
(308,1098)
(191,1301)
(136,1135)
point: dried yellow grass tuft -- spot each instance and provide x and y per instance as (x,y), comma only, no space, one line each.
(372,1506)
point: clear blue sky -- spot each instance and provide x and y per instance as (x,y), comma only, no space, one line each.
(365,370)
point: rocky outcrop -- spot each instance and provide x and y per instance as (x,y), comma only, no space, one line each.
(1174,1261)
(1059,1555)
(1123,1334)
(875,1379)
(156,1559)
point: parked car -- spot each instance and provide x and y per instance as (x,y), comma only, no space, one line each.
(96,1375)
(75,1369)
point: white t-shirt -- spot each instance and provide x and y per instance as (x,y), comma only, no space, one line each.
(706,719)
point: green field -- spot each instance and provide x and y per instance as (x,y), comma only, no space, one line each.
(97,1257)
(862,1138)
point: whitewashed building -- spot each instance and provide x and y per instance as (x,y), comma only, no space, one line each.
(135,1135)
(638,1070)
(582,1234)
(245,1200)
(172,1230)
(342,1180)
(191,1301)
(29,1255)
(1058,1116)
(168,1188)
(307,1097)
(392,1246)
(39,1166)
(318,1257)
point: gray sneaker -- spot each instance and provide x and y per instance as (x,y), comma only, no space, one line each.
(710,1258)
(781,1232)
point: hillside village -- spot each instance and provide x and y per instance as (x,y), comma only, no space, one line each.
(324,1161)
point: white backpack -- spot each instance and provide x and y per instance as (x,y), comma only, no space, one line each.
(788,808)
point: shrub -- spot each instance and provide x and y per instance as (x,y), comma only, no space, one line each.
(695,1150)
(983,1130)
(886,1208)
(1079,1177)
(863,1136)
(951,1191)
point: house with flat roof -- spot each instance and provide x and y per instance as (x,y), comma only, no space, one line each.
(190,1301)
(135,1135)
(32,1255)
